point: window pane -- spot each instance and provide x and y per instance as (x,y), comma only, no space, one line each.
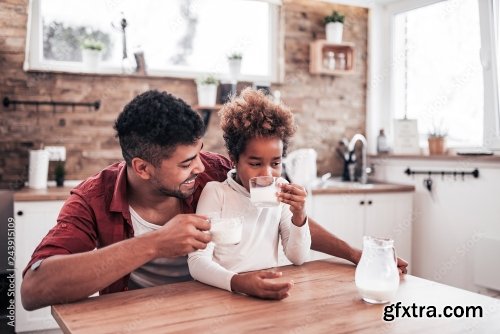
(175,35)
(437,70)
(65,30)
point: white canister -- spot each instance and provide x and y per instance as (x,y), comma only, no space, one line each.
(38,169)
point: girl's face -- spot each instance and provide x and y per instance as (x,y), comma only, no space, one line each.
(262,157)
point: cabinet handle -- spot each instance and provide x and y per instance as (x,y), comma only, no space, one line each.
(20,213)
(362,203)
(370,202)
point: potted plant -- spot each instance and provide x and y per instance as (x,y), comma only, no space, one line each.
(234,61)
(91,53)
(436,140)
(334,25)
(207,90)
(59,173)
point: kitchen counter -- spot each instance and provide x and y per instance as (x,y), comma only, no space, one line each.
(324,299)
(445,157)
(357,188)
(62,193)
(49,194)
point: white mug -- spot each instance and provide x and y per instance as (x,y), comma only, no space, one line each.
(226,229)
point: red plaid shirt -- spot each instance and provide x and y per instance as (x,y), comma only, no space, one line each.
(96,214)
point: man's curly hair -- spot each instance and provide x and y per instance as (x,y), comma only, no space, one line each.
(251,115)
(152,125)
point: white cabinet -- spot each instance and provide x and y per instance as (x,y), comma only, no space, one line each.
(342,215)
(391,216)
(351,216)
(33,220)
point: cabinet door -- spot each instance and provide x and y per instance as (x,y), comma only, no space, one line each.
(390,216)
(33,221)
(342,215)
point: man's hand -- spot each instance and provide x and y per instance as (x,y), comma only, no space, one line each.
(182,235)
(295,196)
(261,284)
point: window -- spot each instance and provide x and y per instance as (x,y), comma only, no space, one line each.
(490,57)
(180,38)
(438,77)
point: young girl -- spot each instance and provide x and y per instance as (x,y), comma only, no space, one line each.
(256,133)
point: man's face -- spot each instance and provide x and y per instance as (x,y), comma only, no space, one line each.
(262,157)
(176,175)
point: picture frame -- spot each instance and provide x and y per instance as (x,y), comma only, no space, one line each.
(406,136)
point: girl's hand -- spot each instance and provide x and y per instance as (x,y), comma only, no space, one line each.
(262,284)
(295,196)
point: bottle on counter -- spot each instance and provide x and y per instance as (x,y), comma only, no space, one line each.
(382,146)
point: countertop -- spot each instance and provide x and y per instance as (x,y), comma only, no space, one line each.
(444,157)
(324,299)
(357,188)
(49,194)
(62,193)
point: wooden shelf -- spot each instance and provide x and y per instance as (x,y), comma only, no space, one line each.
(318,52)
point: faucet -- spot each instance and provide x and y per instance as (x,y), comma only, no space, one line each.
(350,147)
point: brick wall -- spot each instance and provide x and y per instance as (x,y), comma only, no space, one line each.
(327,108)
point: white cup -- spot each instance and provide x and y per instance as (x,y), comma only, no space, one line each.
(226,229)
(263,191)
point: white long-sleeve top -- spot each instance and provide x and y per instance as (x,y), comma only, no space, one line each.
(258,249)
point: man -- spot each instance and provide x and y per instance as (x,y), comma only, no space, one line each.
(133,224)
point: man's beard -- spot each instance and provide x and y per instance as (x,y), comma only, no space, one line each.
(173,192)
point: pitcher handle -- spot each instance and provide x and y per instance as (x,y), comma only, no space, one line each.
(395,257)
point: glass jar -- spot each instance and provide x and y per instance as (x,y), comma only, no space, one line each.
(329,60)
(341,63)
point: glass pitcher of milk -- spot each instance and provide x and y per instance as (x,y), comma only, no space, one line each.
(377,276)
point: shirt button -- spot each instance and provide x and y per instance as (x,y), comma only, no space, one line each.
(64,225)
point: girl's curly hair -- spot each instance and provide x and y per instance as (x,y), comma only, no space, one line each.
(252,114)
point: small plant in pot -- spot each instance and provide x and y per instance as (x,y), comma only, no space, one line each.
(91,53)
(207,90)
(59,173)
(234,61)
(437,141)
(334,26)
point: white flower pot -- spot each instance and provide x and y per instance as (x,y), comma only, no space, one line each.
(91,58)
(234,68)
(207,95)
(334,32)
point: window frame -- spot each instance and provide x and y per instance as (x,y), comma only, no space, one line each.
(34,62)
(380,95)
(489,20)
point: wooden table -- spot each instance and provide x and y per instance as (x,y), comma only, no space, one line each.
(323,300)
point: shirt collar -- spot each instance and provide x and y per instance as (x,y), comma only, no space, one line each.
(231,182)
(119,202)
